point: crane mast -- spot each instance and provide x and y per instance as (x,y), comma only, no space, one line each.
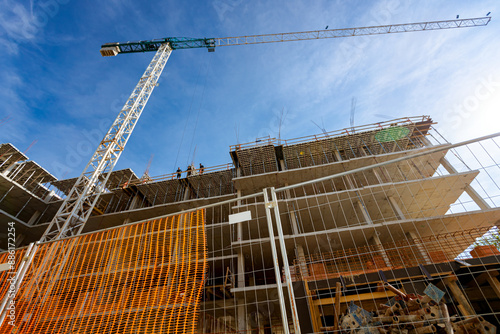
(71,217)
(78,205)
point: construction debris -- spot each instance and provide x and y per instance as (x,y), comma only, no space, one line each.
(411,314)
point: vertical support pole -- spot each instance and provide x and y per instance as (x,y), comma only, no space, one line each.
(363,210)
(186,193)
(463,303)
(446,316)
(338,294)
(337,155)
(242,324)
(421,248)
(135,202)
(396,207)
(277,272)
(291,212)
(494,283)
(375,237)
(21,272)
(377,241)
(288,278)
(9,169)
(239,227)
(241,270)
(314,310)
(34,217)
(301,261)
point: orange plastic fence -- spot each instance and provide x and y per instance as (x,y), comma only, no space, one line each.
(141,278)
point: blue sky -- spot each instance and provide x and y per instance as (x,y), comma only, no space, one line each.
(56,89)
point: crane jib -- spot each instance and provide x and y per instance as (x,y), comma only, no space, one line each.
(176,43)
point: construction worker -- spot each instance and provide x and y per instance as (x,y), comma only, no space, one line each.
(202,168)
(179,172)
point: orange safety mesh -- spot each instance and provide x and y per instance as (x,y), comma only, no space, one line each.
(141,278)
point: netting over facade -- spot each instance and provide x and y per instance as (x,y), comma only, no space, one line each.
(141,278)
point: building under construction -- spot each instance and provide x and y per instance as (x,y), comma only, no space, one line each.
(384,228)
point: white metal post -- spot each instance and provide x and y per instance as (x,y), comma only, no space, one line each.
(288,277)
(21,272)
(277,271)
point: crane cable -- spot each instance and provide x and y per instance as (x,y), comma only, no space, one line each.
(199,107)
(187,118)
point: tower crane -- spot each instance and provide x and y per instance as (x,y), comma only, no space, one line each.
(71,217)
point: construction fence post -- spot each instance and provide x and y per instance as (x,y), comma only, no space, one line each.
(268,205)
(288,277)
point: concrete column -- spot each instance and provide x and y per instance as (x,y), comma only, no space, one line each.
(293,220)
(239,226)
(301,260)
(9,169)
(396,208)
(420,247)
(282,164)
(19,239)
(34,217)
(363,152)
(363,210)
(134,203)
(426,141)
(291,213)
(377,242)
(241,270)
(349,181)
(337,155)
(242,317)
(186,194)
(242,323)
(377,176)
(49,195)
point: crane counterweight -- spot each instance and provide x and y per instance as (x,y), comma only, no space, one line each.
(109,51)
